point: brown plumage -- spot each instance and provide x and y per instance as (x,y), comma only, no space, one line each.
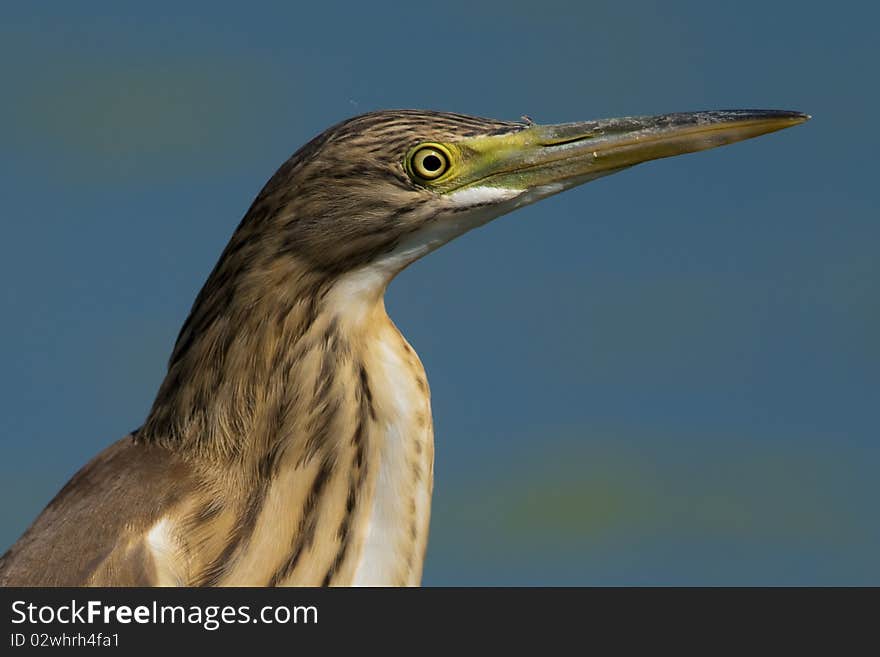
(291,440)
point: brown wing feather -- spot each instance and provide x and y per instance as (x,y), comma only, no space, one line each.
(94,531)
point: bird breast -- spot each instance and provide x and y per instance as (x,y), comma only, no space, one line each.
(396,530)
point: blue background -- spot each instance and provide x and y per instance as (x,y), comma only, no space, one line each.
(668,376)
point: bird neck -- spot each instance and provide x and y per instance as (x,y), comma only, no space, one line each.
(262,345)
(312,388)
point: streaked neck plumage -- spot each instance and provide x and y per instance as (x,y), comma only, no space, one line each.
(308,416)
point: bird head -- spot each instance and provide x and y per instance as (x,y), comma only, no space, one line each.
(385,188)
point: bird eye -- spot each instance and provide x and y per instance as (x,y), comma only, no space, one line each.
(429,162)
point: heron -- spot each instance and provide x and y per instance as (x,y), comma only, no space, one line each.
(291,440)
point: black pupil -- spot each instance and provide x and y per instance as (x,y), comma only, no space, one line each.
(432,163)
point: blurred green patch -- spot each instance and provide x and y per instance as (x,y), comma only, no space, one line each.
(596,491)
(135,116)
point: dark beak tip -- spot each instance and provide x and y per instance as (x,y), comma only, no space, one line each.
(796,117)
(789,115)
(771,119)
(800,117)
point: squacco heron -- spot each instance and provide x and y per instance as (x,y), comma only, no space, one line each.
(291,440)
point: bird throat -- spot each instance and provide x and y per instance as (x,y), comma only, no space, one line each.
(307,416)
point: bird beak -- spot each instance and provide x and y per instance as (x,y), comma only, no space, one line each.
(546,159)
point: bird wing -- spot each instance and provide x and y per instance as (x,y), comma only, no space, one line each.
(97,529)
